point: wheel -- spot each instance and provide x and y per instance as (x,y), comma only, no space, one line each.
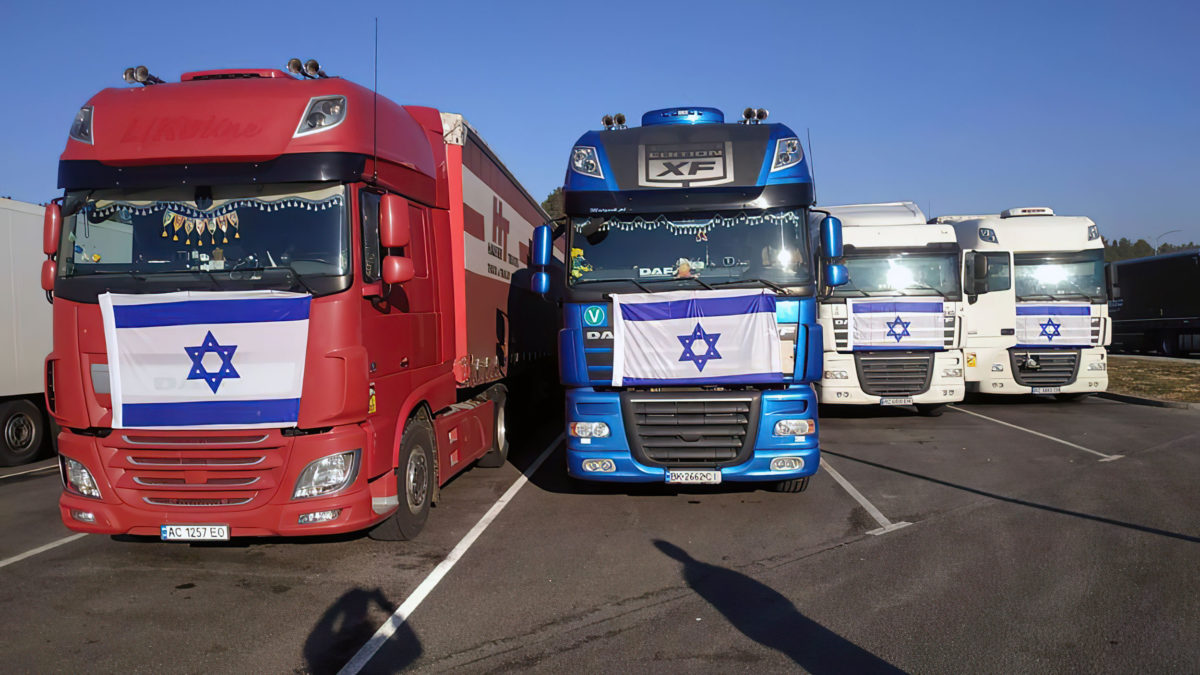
(1072,397)
(498,455)
(931,409)
(22,430)
(415,481)
(793,485)
(1168,344)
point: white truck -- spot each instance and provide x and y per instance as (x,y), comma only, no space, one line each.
(25,335)
(892,334)
(1036,315)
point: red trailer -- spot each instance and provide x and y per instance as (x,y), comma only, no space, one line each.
(283,305)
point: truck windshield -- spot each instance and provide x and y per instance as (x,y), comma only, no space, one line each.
(901,272)
(227,234)
(1060,276)
(760,247)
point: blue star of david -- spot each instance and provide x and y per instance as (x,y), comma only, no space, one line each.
(698,335)
(902,332)
(1050,329)
(199,372)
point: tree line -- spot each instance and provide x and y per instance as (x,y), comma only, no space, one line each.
(1124,249)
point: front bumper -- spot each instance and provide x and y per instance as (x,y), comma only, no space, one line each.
(849,391)
(131,475)
(587,405)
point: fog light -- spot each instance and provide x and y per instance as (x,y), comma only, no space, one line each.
(787,464)
(588,429)
(997,367)
(1099,365)
(326,475)
(599,465)
(77,479)
(83,516)
(319,516)
(836,375)
(951,372)
(794,427)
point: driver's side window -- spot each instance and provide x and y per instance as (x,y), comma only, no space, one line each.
(368,204)
(999,277)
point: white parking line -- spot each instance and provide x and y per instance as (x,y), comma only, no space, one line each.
(1103,457)
(35,469)
(885,525)
(389,627)
(41,549)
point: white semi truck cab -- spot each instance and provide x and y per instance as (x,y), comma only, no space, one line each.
(1036,313)
(892,333)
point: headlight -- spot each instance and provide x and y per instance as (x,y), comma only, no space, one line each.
(584,160)
(322,113)
(951,372)
(836,375)
(589,429)
(77,479)
(1099,365)
(81,128)
(794,427)
(787,153)
(327,475)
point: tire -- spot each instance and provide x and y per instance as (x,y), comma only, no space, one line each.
(793,485)
(415,483)
(498,455)
(22,432)
(1168,344)
(1073,398)
(931,409)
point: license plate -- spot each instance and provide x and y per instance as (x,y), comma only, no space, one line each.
(1046,390)
(693,477)
(896,400)
(195,533)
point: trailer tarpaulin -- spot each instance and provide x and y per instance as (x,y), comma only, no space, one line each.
(215,360)
(695,337)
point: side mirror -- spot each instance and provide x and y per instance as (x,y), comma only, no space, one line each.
(49,271)
(831,237)
(836,274)
(51,228)
(394,230)
(975,274)
(543,251)
(397,269)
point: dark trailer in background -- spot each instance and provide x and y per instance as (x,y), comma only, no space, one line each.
(1155,303)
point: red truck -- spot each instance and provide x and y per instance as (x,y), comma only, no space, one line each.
(283,305)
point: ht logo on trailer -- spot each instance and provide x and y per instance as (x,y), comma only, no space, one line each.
(500,228)
(685,165)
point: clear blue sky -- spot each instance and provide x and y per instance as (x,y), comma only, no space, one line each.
(1092,108)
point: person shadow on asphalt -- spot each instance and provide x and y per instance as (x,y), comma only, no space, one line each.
(346,626)
(766,616)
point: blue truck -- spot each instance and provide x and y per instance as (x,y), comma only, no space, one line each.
(694,260)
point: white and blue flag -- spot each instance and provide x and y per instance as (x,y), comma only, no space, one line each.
(1065,324)
(212,360)
(896,324)
(696,337)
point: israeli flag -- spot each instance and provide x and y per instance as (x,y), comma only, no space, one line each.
(1064,324)
(206,360)
(896,324)
(696,337)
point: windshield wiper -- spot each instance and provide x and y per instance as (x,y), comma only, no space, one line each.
(922,287)
(771,284)
(695,279)
(580,282)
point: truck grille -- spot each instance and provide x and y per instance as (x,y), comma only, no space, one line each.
(894,373)
(176,471)
(1044,367)
(708,428)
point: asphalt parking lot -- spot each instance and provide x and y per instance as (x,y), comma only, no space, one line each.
(1029,535)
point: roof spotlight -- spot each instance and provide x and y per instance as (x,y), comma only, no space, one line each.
(142,75)
(295,67)
(129,76)
(313,69)
(607,121)
(761,114)
(748,114)
(620,119)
